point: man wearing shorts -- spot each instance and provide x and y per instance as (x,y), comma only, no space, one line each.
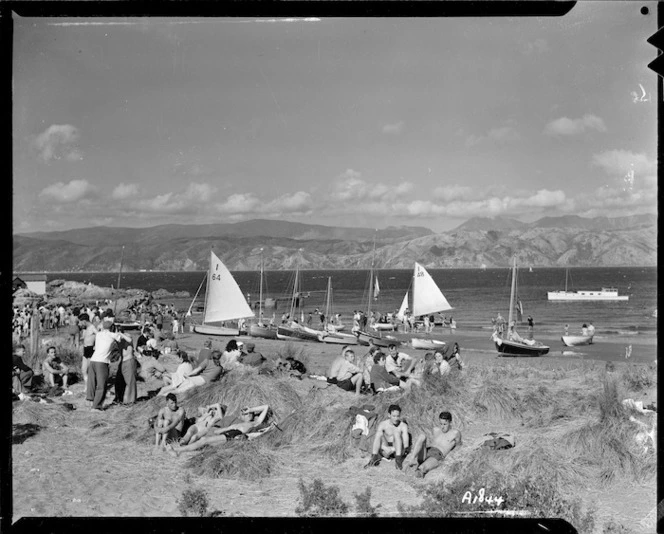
(344,373)
(391,440)
(169,424)
(429,455)
(52,367)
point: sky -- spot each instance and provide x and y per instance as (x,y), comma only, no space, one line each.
(370,122)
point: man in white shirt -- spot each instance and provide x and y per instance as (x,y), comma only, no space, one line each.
(397,362)
(344,373)
(98,368)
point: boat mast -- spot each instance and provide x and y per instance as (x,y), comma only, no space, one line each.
(207,286)
(115,304)
(511,312)
(196,295)
(566,273)
(371,288)
(295,287)
(260,295)
(327,304)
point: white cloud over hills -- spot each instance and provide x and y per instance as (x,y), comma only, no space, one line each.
(566,126)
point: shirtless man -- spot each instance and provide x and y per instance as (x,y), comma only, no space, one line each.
(250,419)
(208,416)
(429,457)
(169,423)
(392,438)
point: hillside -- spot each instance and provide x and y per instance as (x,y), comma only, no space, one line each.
(574,242)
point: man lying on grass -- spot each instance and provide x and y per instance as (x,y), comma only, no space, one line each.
(169,423)
(429,455)
(251,418)
(391,440)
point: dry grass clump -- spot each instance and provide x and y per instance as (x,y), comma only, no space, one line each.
(608,442)
(43,415)
(638,377)
(246,460)
(495,401)
(291,349)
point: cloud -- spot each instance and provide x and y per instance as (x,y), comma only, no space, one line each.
(58,141)
(500,136)
(188,201)
(566,126)
(299,202)
(63,193)
(620,162)
(124,191)
(350,187)
(239,203)
(449,193)
(393,129)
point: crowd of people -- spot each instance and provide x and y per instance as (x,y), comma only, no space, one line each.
(402,322)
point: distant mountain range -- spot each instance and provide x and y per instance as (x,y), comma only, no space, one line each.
(551,241)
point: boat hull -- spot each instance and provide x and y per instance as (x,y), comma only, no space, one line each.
(264,332)
(380,341)
(581,296)
(209,330)
(513,348)
(383,326)
(573,341)
(427,344)
(297,333)
(339,339)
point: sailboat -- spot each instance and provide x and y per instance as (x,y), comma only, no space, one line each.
(515,345)
(260,329)
(293,330)
(329,335)
(224,301)
(378,339)
(427,299)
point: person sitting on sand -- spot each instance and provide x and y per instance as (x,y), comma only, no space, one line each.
(169,423)
(152,370)
(441,366)
(230,357)
(380,378)
(204,354)
(181,373)
(391,439)
(397,362)
(20,370)
(428,455)
(252,358)
(251,418)
(53,367)
(344,373)
(169,345)
(454,359)
(208,416)
(208,371)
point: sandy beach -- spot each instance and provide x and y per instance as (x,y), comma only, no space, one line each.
(57,470)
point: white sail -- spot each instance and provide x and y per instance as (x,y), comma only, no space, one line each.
(404,306)
(427,296)
(224,300)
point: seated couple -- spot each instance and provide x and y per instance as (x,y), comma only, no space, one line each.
(382,379)
(205,432)
(393,440)
(207,371)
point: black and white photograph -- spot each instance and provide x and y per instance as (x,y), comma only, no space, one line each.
(358,265)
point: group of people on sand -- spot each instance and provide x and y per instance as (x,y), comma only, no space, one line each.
(377,371)
(211,426)
(393,441)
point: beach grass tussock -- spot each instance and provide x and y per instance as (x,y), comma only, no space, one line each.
(290,349)
(496,401)
(637,377)
(246,460)
(42,415)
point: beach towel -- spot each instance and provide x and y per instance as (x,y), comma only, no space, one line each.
(497,441)
(361,426)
